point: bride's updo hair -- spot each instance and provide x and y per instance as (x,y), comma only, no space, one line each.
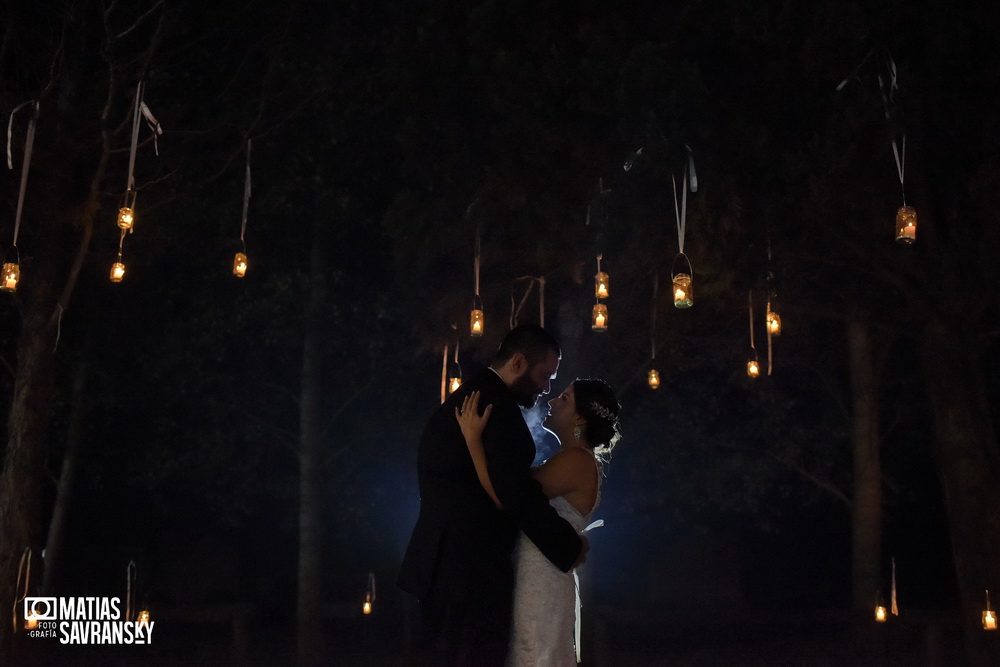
(597,404)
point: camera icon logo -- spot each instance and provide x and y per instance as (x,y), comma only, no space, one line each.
(41,609)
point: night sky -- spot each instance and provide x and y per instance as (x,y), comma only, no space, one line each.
(386,137)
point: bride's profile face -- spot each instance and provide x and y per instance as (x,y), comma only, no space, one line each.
(562,412)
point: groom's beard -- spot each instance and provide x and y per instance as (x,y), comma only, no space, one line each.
(525,391)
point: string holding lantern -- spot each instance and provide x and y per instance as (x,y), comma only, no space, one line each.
(444,374)
(126,213)
(24,573)
(369,603)
(887,78)
(906,216)
(130,570)
(893,607)
(477,322)
(772,321)
(12,269)
(654,376)
(753,366)
(240,259)
(682,282)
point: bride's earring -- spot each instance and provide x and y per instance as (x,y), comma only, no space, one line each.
(577,432)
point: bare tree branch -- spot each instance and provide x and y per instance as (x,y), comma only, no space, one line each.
(138,21)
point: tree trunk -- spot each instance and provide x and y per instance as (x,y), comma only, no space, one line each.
(866,508)
(55,544)
(310,620)
(968,464)
(22,482)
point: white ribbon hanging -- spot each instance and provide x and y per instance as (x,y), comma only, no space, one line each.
(140,110)
(29,143)
(23,569)
(129,592)
(130,184)
(900,165)
(154,125)
(444,374)
(893,607)
(689,180)
(246,199)
(652,325)
(10,125)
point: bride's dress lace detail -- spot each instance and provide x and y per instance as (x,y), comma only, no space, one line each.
(542,631)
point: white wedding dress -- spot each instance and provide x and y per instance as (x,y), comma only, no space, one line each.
(544,617)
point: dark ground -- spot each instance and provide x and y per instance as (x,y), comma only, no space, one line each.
(613,637)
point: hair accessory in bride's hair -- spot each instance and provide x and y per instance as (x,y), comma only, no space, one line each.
(602,411)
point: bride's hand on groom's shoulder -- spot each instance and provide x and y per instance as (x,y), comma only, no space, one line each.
(469,419)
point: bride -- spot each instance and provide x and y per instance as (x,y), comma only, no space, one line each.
(585,420)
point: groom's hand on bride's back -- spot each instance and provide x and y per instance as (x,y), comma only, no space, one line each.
(584,548)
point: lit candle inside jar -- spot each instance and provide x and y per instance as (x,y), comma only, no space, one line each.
(880,614)
(989,620)
(30,621)
(599,321)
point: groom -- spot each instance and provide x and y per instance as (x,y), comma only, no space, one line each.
(458,562)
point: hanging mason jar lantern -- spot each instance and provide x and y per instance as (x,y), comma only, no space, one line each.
(906,225)
(11,275)
(773,322)
(599,321)
(683,297)
(117,271)
(454,384)
(125,217)
(143,617)
(753,368)
(366,608)
(240,265)
(600,281)
(683,293)
(880,614)
(31,620)
(601,285)
(476,322)
(989,616)
(654,379)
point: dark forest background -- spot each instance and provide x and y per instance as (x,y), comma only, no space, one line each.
(193,422)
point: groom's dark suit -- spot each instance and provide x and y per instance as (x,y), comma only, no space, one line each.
(458,562)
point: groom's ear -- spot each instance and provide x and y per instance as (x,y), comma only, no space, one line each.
(518,364)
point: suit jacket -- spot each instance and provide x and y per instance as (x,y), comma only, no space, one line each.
(460,536)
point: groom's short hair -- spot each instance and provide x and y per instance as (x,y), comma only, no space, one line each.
(531,340)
